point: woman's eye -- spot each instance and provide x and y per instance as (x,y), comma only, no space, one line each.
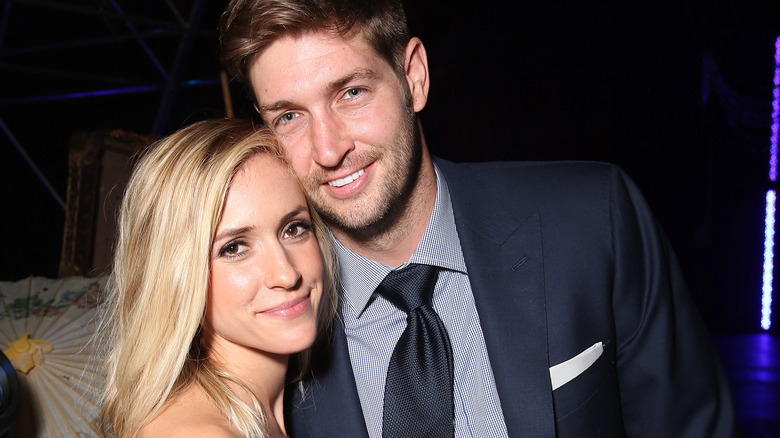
(231,249)
(297,229)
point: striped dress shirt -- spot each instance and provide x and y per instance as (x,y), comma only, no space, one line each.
(374,325)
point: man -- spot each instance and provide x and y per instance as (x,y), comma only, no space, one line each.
(563,303)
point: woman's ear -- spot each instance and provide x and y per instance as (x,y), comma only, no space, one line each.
(416,73)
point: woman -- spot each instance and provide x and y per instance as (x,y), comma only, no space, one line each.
(222,276)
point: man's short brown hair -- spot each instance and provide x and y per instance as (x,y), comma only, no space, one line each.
(247,27)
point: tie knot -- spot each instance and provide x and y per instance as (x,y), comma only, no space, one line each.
(410,287)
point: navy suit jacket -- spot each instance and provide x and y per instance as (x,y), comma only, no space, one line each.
(561,256)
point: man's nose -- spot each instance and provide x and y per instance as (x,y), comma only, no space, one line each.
(330,141)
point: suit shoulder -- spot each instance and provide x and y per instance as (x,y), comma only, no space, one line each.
(539,177)
(544,169)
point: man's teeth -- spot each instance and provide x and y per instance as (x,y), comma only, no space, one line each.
(346,180)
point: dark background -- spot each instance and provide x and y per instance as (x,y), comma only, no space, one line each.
(677,93)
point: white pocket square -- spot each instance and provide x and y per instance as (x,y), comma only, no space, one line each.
(565,371)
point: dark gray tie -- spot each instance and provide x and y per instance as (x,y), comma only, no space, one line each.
(418,390)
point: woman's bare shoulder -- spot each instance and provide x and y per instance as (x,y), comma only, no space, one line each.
(189,414)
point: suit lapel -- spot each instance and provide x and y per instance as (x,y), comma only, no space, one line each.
(504,259)
(331,401)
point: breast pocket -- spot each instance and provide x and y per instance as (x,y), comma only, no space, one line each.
(589,404)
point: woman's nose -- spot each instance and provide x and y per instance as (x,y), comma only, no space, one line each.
(279,270)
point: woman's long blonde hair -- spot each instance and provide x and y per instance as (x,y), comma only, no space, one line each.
(158,288)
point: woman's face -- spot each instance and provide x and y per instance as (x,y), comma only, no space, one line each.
(266,270)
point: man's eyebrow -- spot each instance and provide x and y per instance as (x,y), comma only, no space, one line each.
(333,85)
(358,74)
(274,106)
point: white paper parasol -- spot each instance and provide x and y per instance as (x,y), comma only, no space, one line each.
(46,329)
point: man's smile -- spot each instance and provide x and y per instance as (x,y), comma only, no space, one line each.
(347,179)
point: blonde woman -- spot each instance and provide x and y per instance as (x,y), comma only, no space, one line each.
(222,277)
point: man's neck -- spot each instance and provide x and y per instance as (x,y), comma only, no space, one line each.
(397,243)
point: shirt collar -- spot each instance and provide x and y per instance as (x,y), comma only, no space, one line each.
(439,246)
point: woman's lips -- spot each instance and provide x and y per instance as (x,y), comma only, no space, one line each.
(289,309)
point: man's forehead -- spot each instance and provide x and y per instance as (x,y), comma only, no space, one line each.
(313,44)
(312,59)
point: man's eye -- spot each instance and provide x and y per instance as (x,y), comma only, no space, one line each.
(353,93)
(286,118)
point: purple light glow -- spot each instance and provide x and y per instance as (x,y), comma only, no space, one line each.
(769,221)
(775,115)
(769,262)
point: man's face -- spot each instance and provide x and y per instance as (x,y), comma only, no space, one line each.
(346,122)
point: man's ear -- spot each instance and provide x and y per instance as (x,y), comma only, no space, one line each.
(416,73)
(259,114)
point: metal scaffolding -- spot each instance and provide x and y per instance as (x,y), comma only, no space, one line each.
(53,53)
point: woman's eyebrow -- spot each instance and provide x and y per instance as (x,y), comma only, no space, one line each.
(230,232)
(292,214)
